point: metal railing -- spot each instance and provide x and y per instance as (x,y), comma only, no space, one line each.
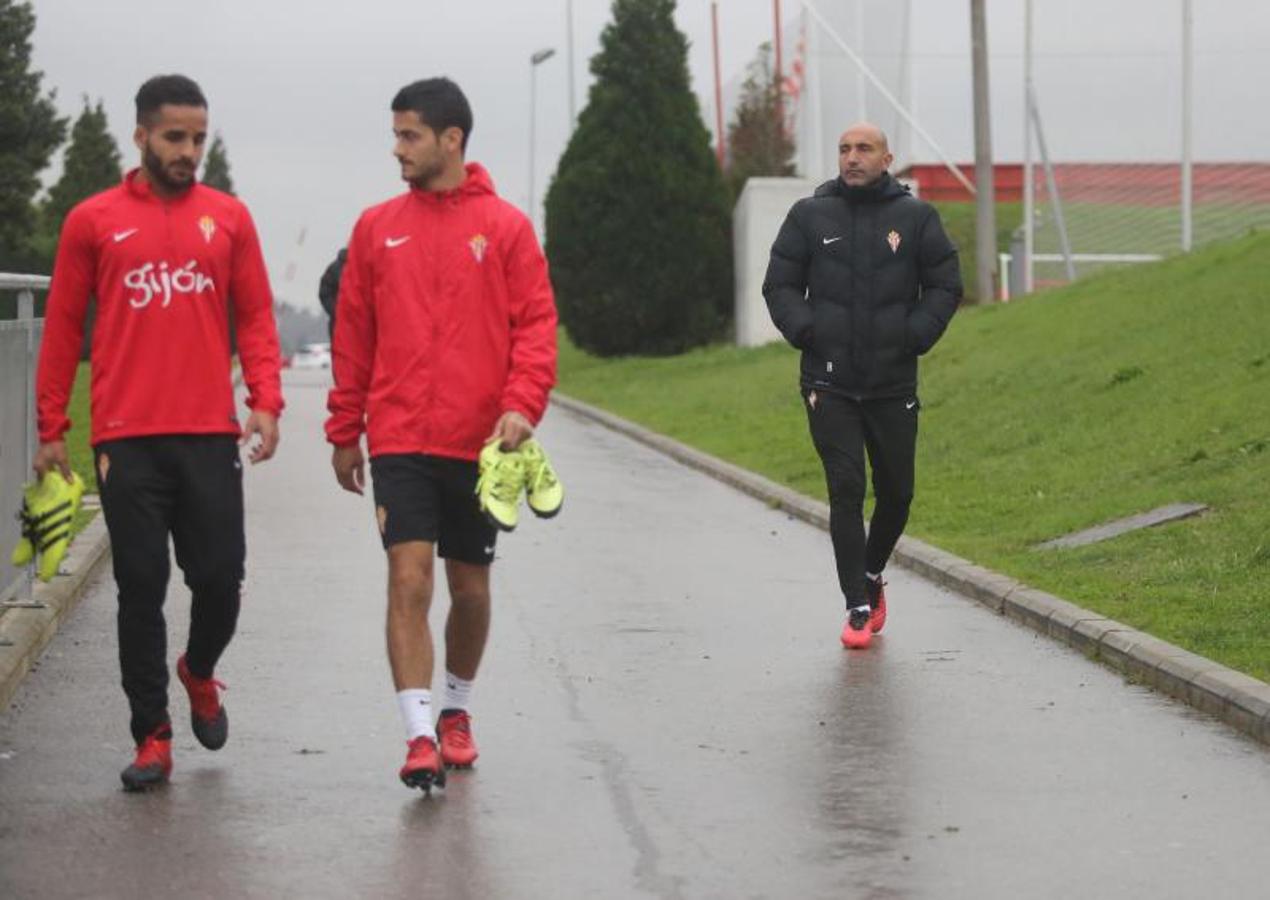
(19,350)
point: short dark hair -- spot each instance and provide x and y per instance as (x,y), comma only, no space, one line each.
(176,90)
(440,104)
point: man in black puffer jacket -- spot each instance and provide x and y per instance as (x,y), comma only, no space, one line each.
(329,288)
(863,280)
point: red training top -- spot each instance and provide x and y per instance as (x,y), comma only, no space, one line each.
(445,320)
(164,272)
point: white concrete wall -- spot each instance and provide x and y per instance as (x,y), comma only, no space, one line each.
(758,215)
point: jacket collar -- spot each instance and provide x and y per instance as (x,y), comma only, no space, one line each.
(885,188)
(140,188)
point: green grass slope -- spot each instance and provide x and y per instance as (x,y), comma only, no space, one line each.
(1115,395)
(77,439)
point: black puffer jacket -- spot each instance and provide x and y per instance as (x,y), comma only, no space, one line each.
(863,281)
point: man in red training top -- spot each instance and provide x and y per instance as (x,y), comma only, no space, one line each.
(165,257)
(446,338)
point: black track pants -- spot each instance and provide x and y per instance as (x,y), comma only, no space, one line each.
(844,430)
(189,487)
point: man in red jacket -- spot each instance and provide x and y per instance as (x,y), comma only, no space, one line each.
(165,257)
(446,339)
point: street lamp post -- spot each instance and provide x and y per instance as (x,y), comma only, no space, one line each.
(536,59)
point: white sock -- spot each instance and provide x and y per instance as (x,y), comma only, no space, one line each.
(457,693)
(416,713)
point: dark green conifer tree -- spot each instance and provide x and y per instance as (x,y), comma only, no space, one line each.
(638,219)
(91,165)
(30,130)
(216,167)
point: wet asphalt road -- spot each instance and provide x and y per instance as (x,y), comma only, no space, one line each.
(664,711)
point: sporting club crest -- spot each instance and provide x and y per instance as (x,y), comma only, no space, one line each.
(478,244)
(894,240)
(207,225)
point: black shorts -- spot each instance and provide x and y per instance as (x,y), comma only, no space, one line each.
(433,499)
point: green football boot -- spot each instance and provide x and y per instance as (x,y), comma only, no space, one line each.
(48,510)
(502,478)
(543,489)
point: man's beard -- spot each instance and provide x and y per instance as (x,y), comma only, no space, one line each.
(425,172)
(158,174)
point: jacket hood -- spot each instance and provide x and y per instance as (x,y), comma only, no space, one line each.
(476,183)
(885,188)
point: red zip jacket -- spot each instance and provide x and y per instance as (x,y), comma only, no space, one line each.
(445,320)
(164,272)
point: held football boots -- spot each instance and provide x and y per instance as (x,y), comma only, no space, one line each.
(856,633)
(454,728)
(502,478)
(48,511)
(423,767)
(153,763)
(873,589)
(207,715)
(543,490)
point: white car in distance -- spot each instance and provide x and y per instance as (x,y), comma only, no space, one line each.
(312,356)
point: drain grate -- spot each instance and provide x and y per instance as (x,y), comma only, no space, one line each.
(1107,530)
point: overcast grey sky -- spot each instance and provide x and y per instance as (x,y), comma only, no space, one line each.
(300,88)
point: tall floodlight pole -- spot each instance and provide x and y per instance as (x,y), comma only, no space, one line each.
(1029,231)
(812,103)
(902,150)
(535,60)
(779,74)
(985,196)
(718,86)
(573,110)
(1188,185)
(862,101)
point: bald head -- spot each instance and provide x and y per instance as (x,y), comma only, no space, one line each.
(865,131)
(863,154)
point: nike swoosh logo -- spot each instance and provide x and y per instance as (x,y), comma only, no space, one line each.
(910,404)
(123,235)
(830,240)
(396,242)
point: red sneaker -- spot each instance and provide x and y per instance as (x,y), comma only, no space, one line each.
(207,714)
(877,600)
(856,634)
(153,763)
(423,767)
(454,728)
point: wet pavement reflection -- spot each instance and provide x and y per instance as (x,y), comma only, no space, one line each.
(664,711)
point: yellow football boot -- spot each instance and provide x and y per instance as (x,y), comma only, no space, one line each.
(543,490)
(502,478)
(48,511)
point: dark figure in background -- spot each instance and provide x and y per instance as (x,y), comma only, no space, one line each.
(329,288)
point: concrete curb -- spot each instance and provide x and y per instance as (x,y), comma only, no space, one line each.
(1235,698)
(31,628)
